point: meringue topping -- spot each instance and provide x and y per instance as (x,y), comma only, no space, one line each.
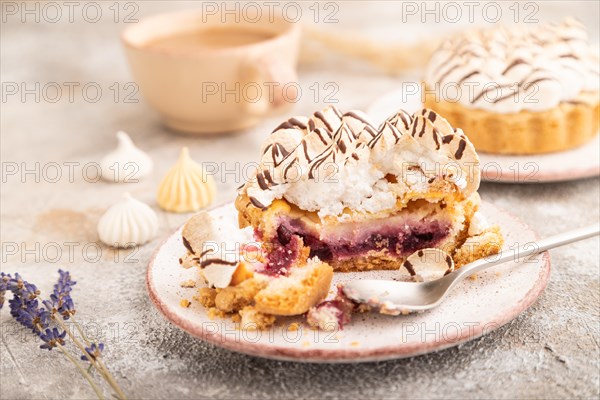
(126,163)
(186,187)
(335,161)
(507,70)
(127,223)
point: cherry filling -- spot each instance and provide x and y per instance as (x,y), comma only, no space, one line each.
(283,252)
(400,239)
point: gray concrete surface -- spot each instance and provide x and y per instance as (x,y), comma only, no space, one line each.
(550,351)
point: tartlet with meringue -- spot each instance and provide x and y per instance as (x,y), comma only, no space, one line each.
(333,192)
(518,90)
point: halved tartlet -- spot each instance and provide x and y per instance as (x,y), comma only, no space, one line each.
(359,197)
(334,193)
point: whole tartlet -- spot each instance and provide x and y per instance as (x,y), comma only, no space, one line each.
(518,90)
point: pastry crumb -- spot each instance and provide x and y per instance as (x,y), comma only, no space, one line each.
(185,303)
(354,344)
(255,320)
(293,327)
(214,313)
(235,298)
(206,297)
(190,283)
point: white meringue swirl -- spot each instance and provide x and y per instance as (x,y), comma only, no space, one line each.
(126,163)
(333,161)
(128,223)
(507,70)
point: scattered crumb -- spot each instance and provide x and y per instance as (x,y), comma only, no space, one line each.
(206,297)
(235,298)
(498,273)
(473,277)
(214,313)
(306,344)
(255,320)
(363,308)
(354,344)
(190,283)
(293,327)
(185,303)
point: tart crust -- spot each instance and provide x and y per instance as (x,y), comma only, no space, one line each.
(569,125)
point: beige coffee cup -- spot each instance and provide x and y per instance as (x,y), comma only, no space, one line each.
(214,87)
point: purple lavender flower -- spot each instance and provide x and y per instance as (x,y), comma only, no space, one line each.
(4,278)
(29,314)
(60,299)
(52,338)
(25,309)
(94,351)
(24,306)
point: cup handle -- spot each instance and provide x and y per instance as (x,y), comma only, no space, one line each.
(278,84)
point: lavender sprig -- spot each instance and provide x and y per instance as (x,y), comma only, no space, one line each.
(60,299)
(94,352)
(53,338)
(25,309)
(24,306)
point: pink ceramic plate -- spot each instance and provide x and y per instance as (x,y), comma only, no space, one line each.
(474,308)
(579,163)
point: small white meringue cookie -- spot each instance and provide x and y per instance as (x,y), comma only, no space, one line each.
(126,163)
(128,223)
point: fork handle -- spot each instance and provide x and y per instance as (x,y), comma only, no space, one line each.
(529,249)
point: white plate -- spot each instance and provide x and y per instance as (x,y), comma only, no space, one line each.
(474,308)
(579,163)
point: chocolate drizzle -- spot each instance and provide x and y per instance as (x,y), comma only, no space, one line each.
(278,153)
(288,167)
(469,75)
(461,148)
(268,177)
(448,260)
(187,244)
(319,115)
(356,116)
(435,135)
(257,203)
(291,123)
(432,116)
(409,268)
(447,139)
(513,64)
(261,182)
(404,117)
(210,261)
(422,131)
